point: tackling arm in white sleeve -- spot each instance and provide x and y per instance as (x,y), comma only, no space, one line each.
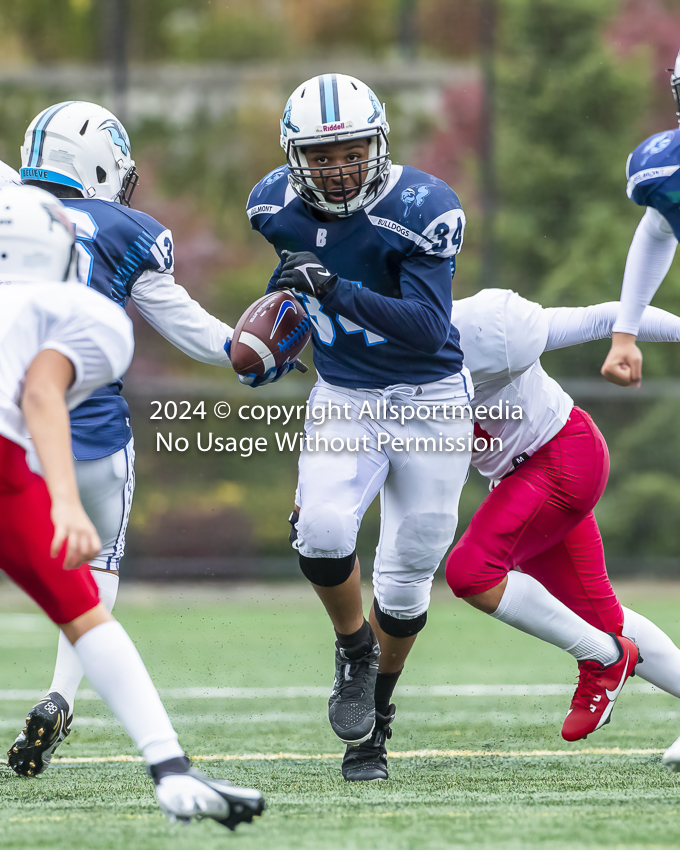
(170,310)
(573,325)
(649,259)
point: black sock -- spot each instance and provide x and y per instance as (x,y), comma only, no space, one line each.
(384,688)
(359,643)
(179,764)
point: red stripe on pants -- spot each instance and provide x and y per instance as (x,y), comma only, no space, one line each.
(26,533)
(540,519)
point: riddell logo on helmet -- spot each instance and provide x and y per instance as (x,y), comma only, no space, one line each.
(333,128)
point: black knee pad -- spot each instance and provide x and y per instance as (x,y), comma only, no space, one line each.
(397,628)
(328,572)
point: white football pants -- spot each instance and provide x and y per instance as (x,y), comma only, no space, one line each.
(419,483)
(106,486)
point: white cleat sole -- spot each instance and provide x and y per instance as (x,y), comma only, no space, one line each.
(187,796)
(361,740)
(183,797)
(671,758)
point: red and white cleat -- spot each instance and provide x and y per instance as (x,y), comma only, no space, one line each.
(597,690)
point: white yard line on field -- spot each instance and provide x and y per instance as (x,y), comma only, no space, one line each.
(323,691)
(406,754)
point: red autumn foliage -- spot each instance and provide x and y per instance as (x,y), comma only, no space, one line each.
(452,145)
(650,23)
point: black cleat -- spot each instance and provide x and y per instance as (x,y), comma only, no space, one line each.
(184,793)
(47,725)
(351,708)
(368,761)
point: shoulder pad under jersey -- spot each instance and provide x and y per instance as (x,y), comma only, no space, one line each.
(269,196)
(651,164)
(131,241)
(420,209)
(501,333)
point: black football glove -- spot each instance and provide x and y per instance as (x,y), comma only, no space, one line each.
(304,272)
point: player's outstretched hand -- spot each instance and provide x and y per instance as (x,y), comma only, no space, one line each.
(73,527)
(303,271)
(272,375)
(623,365)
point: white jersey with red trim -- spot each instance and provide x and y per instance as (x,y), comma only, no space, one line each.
(89,329)
(502,336)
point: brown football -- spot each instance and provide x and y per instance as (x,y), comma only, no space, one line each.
(272,331)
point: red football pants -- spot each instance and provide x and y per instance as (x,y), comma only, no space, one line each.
(540,518)
(26,533)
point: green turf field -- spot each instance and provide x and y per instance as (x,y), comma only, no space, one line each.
(486,790)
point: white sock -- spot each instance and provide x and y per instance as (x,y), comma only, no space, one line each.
(528,606)
(119,676)
(68,671)
(661,657)
(107,584)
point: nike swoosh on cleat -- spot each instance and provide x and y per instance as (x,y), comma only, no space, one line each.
(612,695)
(605,716)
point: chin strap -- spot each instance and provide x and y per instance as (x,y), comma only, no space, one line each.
(129,184)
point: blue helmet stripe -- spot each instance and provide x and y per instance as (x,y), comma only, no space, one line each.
(336,104)
(35,156)
(322,98)
(328,92)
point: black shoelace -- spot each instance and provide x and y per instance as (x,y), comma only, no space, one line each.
(352,684)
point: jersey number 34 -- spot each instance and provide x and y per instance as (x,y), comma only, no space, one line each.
(325,327)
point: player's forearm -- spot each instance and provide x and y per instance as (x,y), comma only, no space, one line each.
(575,325)
(649,259)
(48,424)
(412,323)
(171,311)
(659,326)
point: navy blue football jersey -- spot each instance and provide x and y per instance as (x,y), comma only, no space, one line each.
(115,246)
(387,320)
(653,173)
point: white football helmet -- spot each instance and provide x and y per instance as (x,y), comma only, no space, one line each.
(81,145)
(37,240)
(675,84)
(335,108)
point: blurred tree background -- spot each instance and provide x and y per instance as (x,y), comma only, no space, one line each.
(576,86)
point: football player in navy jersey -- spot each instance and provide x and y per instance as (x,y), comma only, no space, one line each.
(653,173)
(81,153)
(369,247)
